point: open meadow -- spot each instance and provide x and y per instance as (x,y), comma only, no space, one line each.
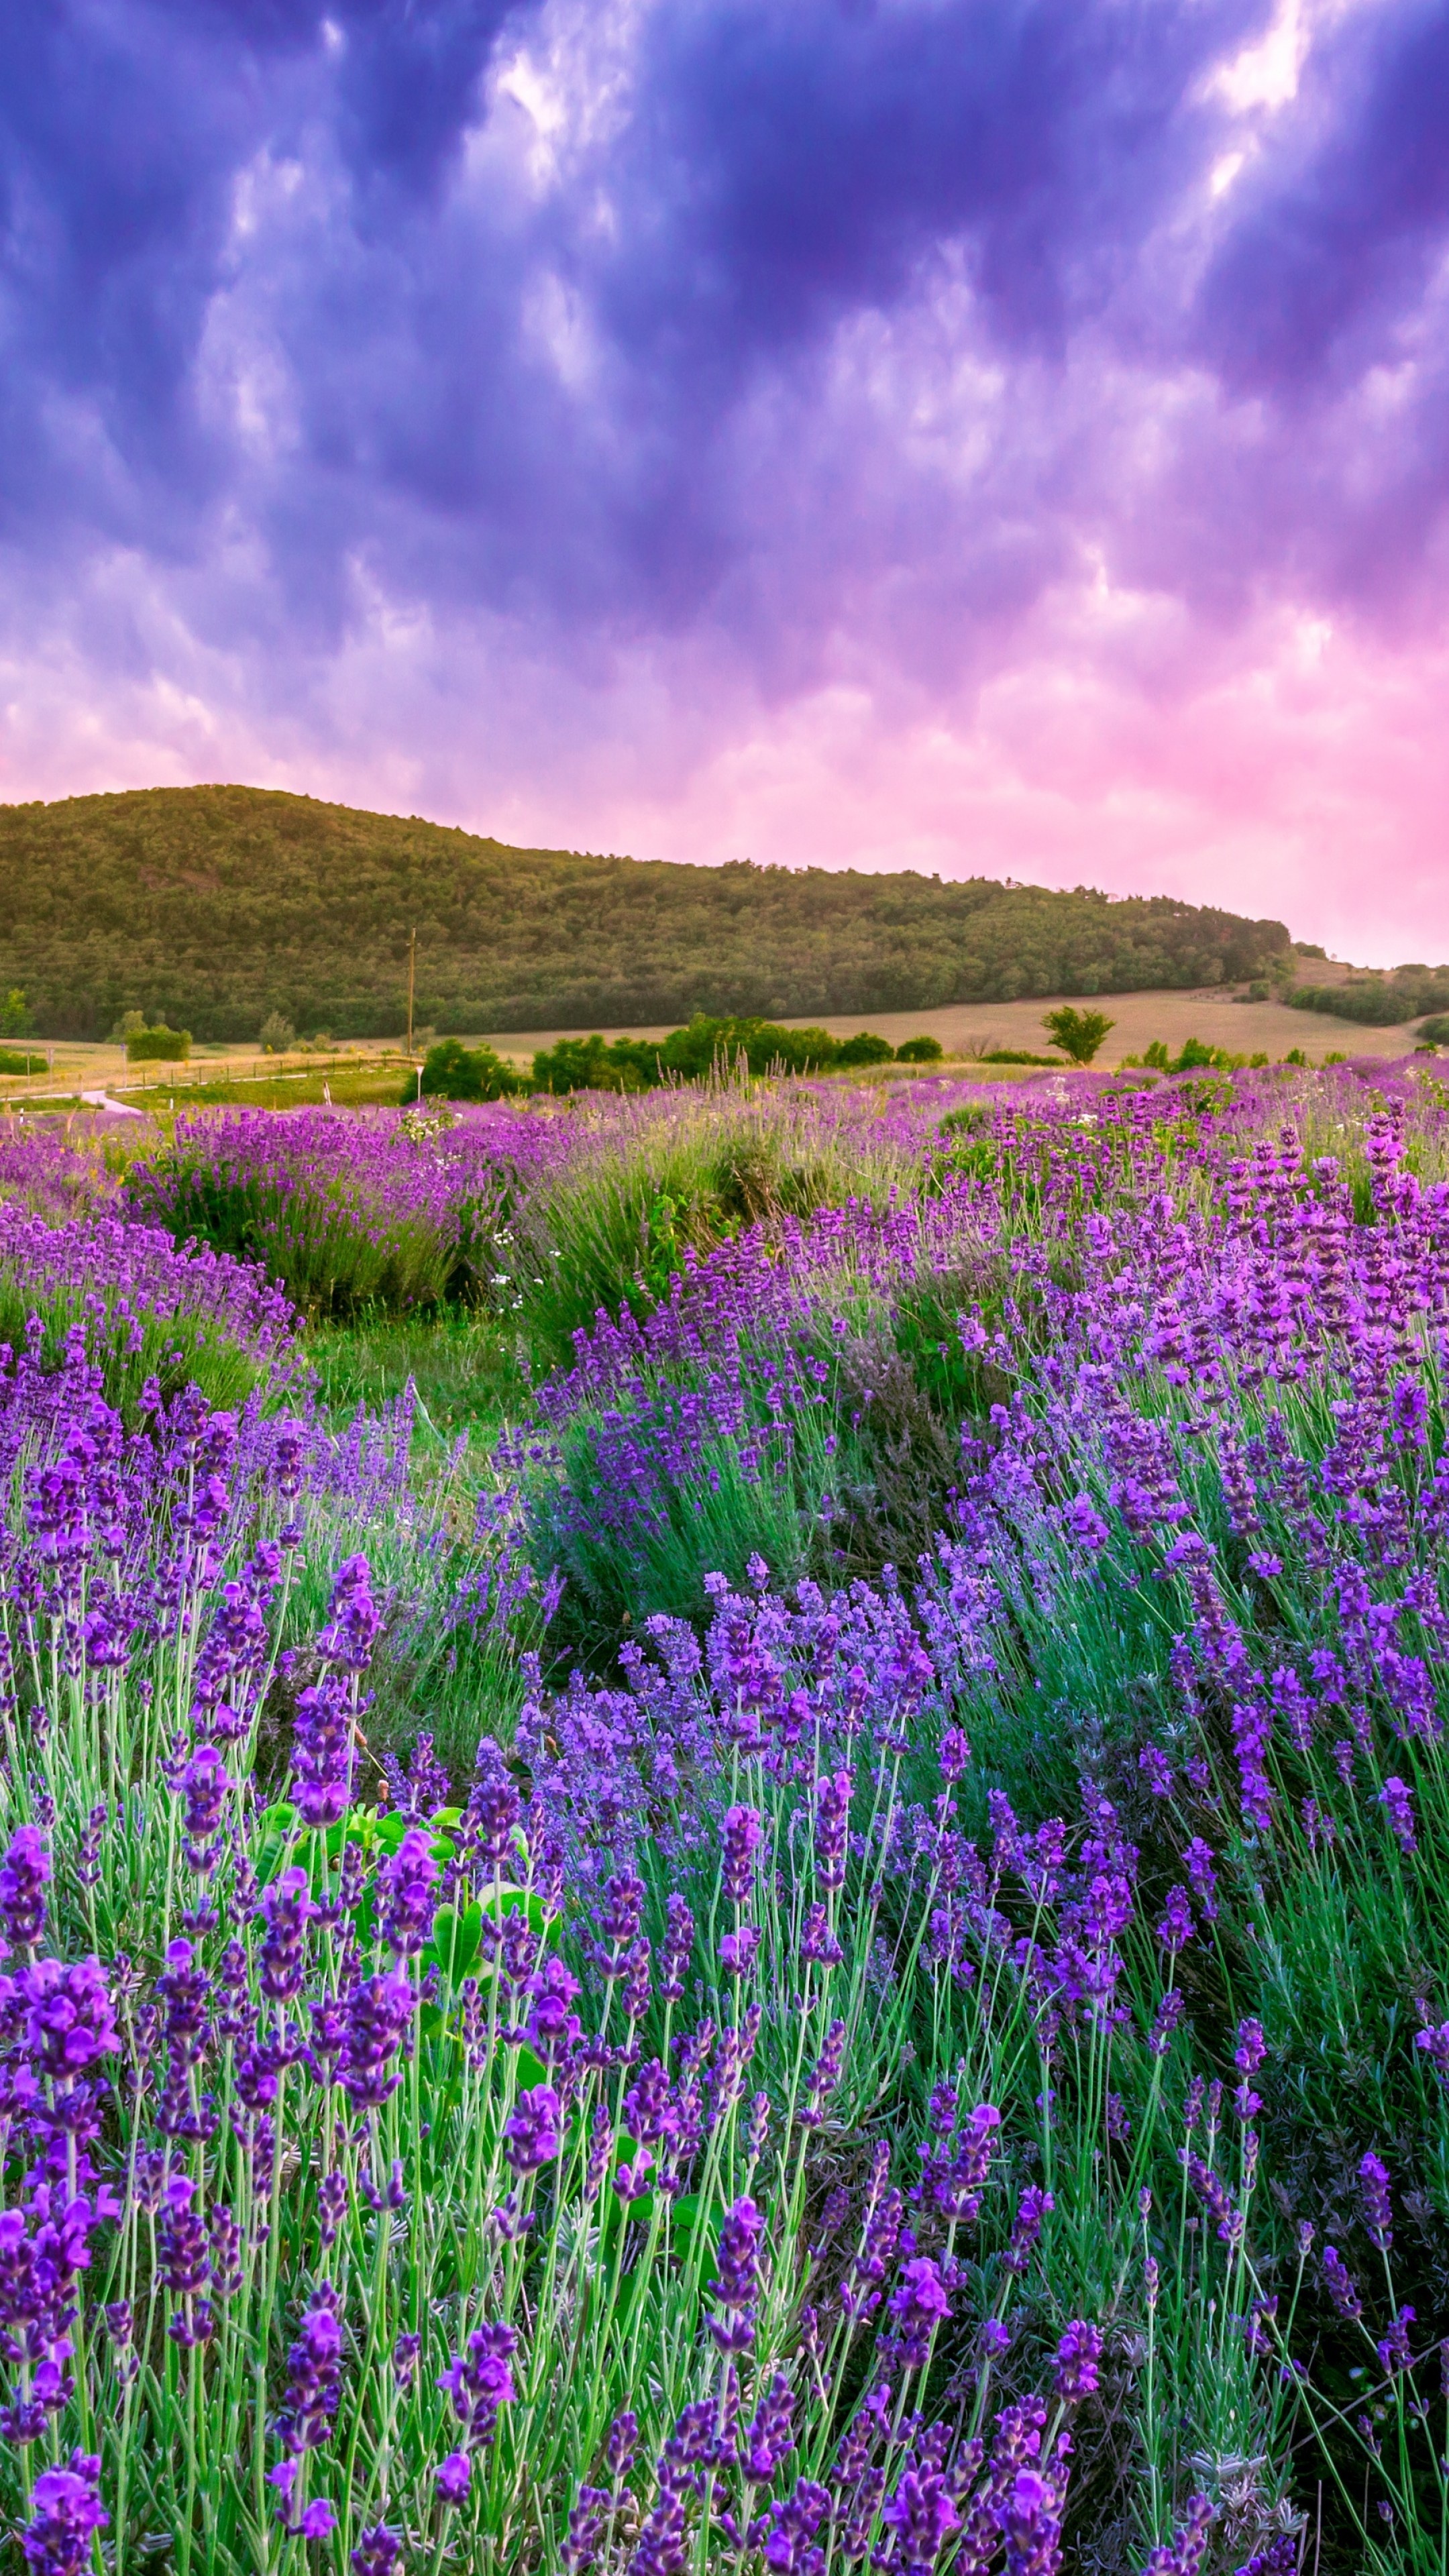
(723,1828)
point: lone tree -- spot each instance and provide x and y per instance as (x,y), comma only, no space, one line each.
(1077,1033)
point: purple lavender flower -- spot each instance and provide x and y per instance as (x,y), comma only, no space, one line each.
(1280,2558)
(287,1908)
(919,2305)
(69,2019)
(1156,1770)
(1202,1877)
(737,1950)
(832,1827)
(1341,2287)
(825,2078)
(737,2285)
(480,2380)
(1373,2175)
(552,2025)
(1394,2353)
(1434,2044)
(1396,1798)
(409,1894)
(1183,2554)
(66,2510)
(314,2374)
(818,1944)
(922,2515)
(1030,2526)
(620,1916)
(677,1950)
(324,1736)
(378,2551)
(24,1877)
(1026,2230)
(1215,2196)
(494,1806)
(534,2130)
(379,2016)
(1176,1928)
(743,1834)
(588,2516)
(353,1618)
(768,2440)
(205,1786)
(1076,2374)
(453,2477)
(1252,1732)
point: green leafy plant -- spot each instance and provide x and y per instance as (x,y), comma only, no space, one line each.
(1079,1034)
(158,1045)
(452,1071)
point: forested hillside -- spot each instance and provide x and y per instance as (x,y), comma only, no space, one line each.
(213,906)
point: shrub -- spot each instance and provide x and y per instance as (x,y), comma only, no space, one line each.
(1435,1032)
(454,1072)
(276,1035)
(14,1013)
(159,1045)
(1079,1034)
(866,1048)
(922,1050)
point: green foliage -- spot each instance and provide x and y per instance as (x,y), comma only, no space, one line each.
(1079,1034)
(220,904)
(14,1013)
(690,1054)
(1379,1001)
(867,1048)
(277,1033)
(1017,1055)
(159,1046)
(1196,1056)
(10,1062)
(452,1071)
(922,1050)
(1435,1032)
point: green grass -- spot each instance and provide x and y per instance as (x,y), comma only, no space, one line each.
(462,1363)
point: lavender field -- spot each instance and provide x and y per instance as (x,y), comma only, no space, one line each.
(725,1825)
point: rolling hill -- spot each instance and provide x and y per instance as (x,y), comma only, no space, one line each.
(214,905)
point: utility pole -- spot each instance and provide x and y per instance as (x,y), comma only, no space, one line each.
(412,970)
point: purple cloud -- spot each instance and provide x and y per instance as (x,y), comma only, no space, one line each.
(659,370)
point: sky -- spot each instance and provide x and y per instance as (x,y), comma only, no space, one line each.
(997,437)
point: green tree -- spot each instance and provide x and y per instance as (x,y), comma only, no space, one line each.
(277,1034)
(1077,1033)
(14,1014)
(922,1050)
(866,1048)
(452,1071)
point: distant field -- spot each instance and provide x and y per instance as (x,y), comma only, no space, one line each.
(1247,1028)
(364,1073)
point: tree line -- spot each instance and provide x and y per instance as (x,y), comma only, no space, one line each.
(211,908)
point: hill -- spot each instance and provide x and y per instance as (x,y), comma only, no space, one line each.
(216,905)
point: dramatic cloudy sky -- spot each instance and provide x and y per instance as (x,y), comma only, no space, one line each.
(986,435)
